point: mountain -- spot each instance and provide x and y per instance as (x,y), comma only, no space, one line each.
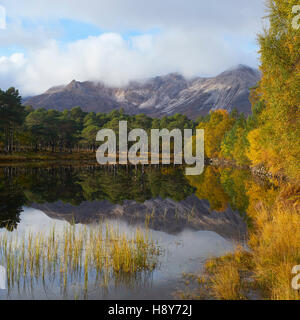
(159,96)
(169,216)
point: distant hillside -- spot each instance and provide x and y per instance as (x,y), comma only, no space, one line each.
(225,224)
(156,97)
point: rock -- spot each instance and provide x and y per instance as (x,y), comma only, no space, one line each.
(157,97)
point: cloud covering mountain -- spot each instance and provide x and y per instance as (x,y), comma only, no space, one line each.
(50,42)
(159,96)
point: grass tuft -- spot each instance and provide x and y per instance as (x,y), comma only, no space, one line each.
(76,254)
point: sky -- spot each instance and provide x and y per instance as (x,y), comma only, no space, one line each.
(48,43)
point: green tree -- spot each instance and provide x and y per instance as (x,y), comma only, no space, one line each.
(12,116)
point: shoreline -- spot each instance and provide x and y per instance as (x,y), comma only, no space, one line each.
(89,158)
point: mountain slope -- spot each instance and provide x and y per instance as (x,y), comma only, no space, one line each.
(229,224)
(164,95)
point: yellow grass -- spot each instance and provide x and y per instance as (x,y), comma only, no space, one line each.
(225,275)
(275,250)
(76,253)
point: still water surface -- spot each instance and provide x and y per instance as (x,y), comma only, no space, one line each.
(189,218)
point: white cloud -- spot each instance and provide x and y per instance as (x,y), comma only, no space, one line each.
(114,60)
(117,15)
(15,35)
(10,68)
(195,38)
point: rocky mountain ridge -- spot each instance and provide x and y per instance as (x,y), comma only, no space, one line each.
(159,96)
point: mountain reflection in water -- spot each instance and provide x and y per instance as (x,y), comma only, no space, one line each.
(192,218)
(166,198)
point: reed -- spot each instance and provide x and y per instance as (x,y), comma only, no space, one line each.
(77,254)
(265,271)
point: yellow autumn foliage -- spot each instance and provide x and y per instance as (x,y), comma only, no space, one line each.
(276,144)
